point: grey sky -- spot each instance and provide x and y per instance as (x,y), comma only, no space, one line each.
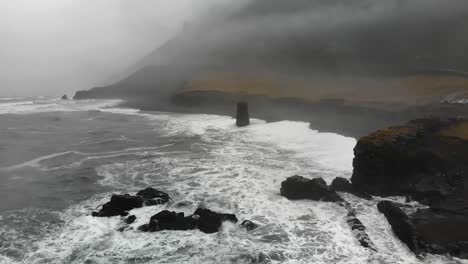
(51,47)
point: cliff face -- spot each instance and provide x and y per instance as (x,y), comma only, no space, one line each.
(426,159)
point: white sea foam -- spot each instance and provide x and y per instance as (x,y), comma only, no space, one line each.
(226,169)
(80,157)
(229,170)
(39,106)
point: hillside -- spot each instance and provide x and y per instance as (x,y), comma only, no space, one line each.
(389,55)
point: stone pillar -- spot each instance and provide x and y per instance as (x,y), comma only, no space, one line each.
(242,117)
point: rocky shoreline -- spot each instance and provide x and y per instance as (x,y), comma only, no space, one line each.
(425,160)
(334,115)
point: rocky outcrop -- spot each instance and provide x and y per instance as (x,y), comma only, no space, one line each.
(298,187)
(340,184)
(64,97)
(121,204)
(426,159)
(431,230)
(153,195)
(209,221)
(242,116)
(129,220)
(400,223)
(205,220)
(358,229)
(249,225)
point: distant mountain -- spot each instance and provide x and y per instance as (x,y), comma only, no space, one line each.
(307,40)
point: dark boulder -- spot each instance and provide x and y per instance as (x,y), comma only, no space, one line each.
(358,229)
(340,184)
(298,187)
(64,97)
(154,196)
(205,220)
(242,116)
(120,205)
(130,219)
(249,225)
(166,220)
(210,222)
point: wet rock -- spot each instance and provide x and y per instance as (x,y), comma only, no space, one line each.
(400,223)
(249,225)
(205,220)
(359,230)
(298,187)
(210,222)
(340,184)
(130,219)
(154,196)
(426,159)
(64,97)
(144,228)
(121,204)
(166,220)
(242,116)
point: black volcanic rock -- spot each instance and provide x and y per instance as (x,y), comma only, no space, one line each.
(401,224)
(431,230)
(210,222)
(426,159)
(166,220)
(249,225)
(130,219)
(121,204)
(242,116)
(153,194)
(205,220)
(298,187)
(358,229)
(340,184)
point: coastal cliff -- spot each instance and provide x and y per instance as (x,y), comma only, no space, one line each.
(425,160)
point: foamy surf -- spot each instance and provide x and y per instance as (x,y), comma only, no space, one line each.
(214,164)
(41,106)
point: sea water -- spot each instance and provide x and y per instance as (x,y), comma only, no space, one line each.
(62,159)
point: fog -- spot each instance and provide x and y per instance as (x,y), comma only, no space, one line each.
(336,34)
(52,47)
(60,46)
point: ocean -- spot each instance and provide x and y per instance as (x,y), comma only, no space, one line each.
(62,159)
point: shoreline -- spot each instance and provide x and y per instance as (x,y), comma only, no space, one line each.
(334,116)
